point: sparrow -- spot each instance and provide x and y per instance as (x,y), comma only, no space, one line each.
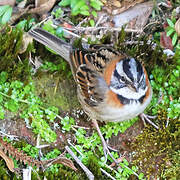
(111,86)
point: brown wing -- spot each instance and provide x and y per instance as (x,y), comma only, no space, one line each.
(91,85)
(88,66)
(96,56)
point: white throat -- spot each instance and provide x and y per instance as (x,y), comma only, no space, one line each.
(128,93)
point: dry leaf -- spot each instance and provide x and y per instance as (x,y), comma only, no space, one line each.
(165,41)
(44,7)
(22,4)
(177,26)
(25,42)
(7,2)
(116,3)
(135,17)
(62,160)
(125,5)
(9,161)
(38,3)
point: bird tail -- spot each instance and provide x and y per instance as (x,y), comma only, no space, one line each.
(51,41)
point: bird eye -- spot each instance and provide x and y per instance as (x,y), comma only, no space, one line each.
(122,79)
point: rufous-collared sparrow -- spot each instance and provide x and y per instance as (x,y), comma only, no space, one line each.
(111,87)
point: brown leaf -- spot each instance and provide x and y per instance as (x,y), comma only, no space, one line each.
(125,5)
(7,2)
(25,42)
(9,161)
(177,27)
(135,17)
(165,41)
(44,7)
(62,160)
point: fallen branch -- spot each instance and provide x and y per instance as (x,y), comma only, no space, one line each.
(85,169)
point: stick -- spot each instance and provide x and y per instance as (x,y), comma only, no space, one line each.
(85,169)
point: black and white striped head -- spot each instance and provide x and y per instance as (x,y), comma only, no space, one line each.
(128,80)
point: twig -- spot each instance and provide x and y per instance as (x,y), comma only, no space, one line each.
(20,100)
(38,143)
(112,149)
(27,102)
(85,169)
(74,147)
(109,167)
(99,20)
(101,28)
(132,171)
(151,23)
(9,136)
(83,21)
(107,174)
(68,31)
(27,173)
(164,4)
(167,123)
(82,127)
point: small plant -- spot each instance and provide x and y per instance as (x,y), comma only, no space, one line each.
(5,14)
(83,7)
(58,13)
(16,97)
(30,150)
(170,30)
(67,123)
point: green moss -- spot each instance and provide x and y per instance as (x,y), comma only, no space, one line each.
(56,92)
(94,167)
(64,173)
(12,62)
(4,172)
(155,150)
(172,170)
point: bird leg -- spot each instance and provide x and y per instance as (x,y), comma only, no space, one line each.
(147,118)
(105,146)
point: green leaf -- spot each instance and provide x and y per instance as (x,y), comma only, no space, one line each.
(85,13)
(3,76)
(170,23)
(96,4)
(85,7)
(76,9)
(1,98)
(134,168)
(75,13)
(174,39)
(58,13)
(6,16)
(94,13)
(12,105)
(141,175)
(178,47)
(92,23)
(1,112)
(3,9)
(75,2)
(21,24)
(171,30)
(65,3)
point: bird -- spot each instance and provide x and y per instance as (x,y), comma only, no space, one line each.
(111,86)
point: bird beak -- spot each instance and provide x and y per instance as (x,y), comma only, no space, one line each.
(135,87)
